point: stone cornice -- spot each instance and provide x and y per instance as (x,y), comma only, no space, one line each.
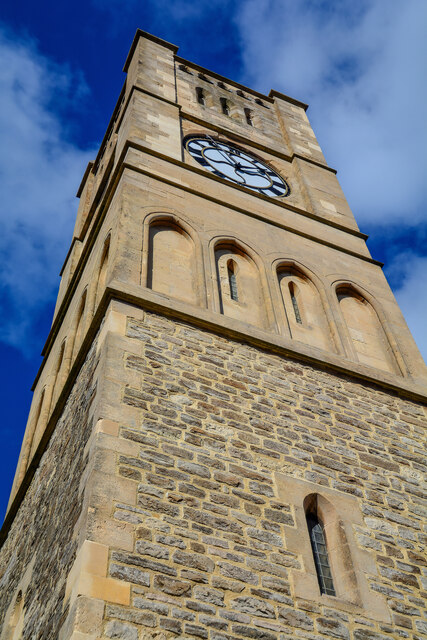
(276,94)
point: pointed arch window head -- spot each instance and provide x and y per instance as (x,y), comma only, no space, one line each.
(200,95)
(320,554)
(232,280)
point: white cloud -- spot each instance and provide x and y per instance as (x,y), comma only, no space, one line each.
(411,294)
(39,175)
(361,67)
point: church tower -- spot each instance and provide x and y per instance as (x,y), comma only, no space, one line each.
(225,437)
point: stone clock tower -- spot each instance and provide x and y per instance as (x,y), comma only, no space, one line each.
(225,437)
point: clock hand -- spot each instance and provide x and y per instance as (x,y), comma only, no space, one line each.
(250,170)
(224,154)
(242,177)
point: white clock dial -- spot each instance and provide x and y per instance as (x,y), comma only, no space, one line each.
(239,166)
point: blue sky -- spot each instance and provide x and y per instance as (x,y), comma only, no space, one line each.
(360,65)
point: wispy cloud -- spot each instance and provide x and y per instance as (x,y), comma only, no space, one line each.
(411,294)
(360,66)
(40,171)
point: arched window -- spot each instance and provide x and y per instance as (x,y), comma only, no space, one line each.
(305,313)
(79,326)
(225,106)
(232,280)
(329,519)
(320,554)
(248,116)
(38,424)
(221,85)
(239,286)
(39,410)
(241,94)
(102,274)
(261,104)
(172,262)
(57,384)
(200,95)
(366,334)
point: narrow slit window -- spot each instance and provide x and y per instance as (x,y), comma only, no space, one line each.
(248,116)
(320,555)
(200,95)
(224,106)
(295,303)
(232,281)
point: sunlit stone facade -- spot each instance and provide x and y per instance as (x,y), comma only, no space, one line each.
(226,435)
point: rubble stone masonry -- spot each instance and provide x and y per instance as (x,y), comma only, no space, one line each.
(199,439)
(41,546)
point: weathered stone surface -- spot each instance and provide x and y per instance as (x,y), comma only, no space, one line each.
(144,562)
(150,549)
(206,594)
(195,630)
(170,624)
(213,521)
(193,561)
(130,574)
(144,618)
(296,619)
(253,606)
(227,585)
(121,630)
(157,607)
(270,582)
(232,571)
(250,632)
(366,634)
(173,587)
(333,628)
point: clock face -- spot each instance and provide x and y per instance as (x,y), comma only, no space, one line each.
(230,162)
